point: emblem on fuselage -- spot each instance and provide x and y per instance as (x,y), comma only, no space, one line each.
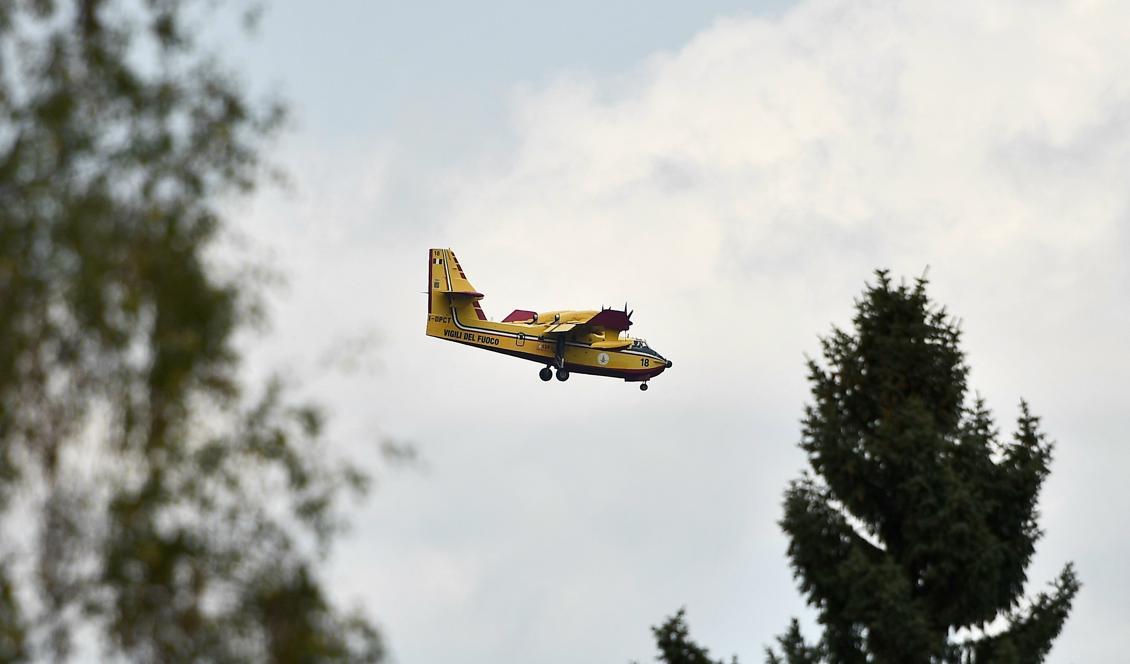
(602,359)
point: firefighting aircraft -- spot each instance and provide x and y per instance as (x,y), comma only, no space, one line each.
(584,342)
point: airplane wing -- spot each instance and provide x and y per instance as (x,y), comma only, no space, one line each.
(614,344)
(599,323)
(611,319)
(560,328)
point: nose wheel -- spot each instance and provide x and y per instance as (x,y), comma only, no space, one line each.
(546,373)
(643,387)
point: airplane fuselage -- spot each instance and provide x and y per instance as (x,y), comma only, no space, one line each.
(522,340)
(585,342)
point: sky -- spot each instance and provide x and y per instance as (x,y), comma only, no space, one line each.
(735,172)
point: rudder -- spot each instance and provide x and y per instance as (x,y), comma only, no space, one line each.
(448,289)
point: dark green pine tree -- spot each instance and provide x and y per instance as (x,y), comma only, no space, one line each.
(917,520)
(675,646)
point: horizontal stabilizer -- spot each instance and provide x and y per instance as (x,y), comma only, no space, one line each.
(471,294)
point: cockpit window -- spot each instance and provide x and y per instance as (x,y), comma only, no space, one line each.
(641,344)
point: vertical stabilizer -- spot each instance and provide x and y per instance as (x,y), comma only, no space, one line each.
(449,291)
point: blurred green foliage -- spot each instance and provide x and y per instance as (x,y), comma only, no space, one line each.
(147,501)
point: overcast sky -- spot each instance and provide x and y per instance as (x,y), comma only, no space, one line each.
(735,172)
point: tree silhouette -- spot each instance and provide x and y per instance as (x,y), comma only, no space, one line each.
(917,520)
(675,646)
(149,501)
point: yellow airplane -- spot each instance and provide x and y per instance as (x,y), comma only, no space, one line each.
(584,342)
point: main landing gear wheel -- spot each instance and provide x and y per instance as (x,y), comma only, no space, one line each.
(643,387)
(545,373)
(562,375)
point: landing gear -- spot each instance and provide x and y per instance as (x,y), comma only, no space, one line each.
(547,372)
(559,360)
(559,354)
(643,387)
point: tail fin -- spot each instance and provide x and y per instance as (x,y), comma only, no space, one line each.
(448,287)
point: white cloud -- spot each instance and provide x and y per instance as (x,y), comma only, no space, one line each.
(737,192)
(937,130)
(757,175)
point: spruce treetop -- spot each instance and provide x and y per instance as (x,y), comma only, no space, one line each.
(916,519)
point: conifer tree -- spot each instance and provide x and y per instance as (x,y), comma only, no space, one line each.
(916,519)
(675,646)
